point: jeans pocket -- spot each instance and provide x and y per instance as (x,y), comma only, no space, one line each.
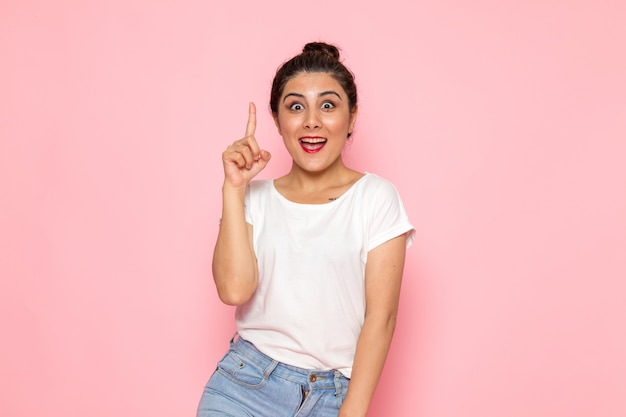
(241,370)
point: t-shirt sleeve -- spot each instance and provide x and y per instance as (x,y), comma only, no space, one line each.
(387,217)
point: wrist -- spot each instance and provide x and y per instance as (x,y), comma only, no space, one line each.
(231,191)
(351,410)
(343,413)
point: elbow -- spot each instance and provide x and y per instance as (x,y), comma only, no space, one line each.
(385,322)
(235,293)
(233,298)
(234,287)
(390,322)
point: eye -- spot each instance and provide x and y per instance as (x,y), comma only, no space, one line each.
(327,105)
(296,106)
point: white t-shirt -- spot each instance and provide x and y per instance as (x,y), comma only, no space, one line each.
(309,305)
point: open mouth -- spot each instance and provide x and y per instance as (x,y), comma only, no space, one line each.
(312,144)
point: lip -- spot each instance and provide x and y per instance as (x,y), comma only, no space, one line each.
(312,147)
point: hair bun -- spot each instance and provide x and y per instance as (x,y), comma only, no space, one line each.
(321,48)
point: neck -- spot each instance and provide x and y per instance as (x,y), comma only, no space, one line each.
(332,176)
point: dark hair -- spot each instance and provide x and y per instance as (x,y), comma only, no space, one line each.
(315,57)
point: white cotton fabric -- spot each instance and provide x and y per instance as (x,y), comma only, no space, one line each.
(309,305)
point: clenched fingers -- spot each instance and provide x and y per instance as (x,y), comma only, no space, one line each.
(241,154)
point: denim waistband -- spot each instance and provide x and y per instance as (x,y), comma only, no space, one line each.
(312,378)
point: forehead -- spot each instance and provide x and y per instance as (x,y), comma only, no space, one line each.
(313,82)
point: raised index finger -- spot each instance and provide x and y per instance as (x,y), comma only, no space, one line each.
(251,127)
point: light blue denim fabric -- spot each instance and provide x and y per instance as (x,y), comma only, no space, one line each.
(248,383)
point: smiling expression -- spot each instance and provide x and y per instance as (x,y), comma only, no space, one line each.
(314,119)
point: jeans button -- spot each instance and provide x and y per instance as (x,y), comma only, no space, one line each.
(313,378)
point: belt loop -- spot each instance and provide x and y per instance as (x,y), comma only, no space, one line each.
(232,341)
(338,384)
(268,371)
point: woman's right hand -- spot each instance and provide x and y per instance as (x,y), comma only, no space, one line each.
(244,159)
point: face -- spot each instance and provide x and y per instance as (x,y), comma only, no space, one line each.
(314,120)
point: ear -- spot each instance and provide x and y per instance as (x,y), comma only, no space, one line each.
(353,116)
(275,117)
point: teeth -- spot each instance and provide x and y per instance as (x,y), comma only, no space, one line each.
(312,140)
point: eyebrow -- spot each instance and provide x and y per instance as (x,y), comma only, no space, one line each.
(322,94)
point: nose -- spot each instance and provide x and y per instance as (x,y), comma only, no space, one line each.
(312,120)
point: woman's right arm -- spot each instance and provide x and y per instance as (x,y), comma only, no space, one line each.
(234,261)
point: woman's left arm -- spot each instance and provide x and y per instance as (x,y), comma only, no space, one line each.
(383,276)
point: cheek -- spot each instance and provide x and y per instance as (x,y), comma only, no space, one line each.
(286,125)
(338,125)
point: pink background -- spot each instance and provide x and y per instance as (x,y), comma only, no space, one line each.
(503,125)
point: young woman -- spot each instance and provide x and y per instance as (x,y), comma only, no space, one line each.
(313,260)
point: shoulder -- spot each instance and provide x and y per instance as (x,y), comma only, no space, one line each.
(260,186)
(258,192)
(374,185)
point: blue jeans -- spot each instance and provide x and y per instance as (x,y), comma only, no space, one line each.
(248,383)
